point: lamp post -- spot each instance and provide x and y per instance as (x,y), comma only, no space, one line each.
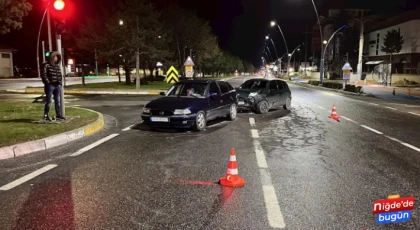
(269,51)
(321,72)
(288,62)
(326,45)
(275,49)
(274,23)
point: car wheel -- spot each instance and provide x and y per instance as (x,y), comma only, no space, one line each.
(200,121)
(262,107)
(288,104)
(232,112)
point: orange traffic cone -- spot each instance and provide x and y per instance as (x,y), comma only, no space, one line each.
(232,178)
(334,114)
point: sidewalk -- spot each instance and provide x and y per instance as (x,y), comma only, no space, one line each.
(386,92)
(90,91)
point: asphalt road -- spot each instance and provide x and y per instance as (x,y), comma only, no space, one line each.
(6,84)
(302,169)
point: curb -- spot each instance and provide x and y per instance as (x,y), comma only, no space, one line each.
(52,141)
(335,90)
(81,92)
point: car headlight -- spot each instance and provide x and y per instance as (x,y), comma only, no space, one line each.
(146,110)
(182,112)
(253,94)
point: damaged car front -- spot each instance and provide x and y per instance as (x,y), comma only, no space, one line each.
(252,95)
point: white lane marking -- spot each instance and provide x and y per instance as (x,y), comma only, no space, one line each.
(346,118)
(411,147)
(394,139)
(390,108)
(321,107)
(274,215)
(252,121)
(373,104)
(76,105)
(373,130)
(128,128)
(27,177)
(254,133)
(259,153)
(93,145)
(414,113)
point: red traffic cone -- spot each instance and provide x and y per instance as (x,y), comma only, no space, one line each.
(334,114)
(232,178)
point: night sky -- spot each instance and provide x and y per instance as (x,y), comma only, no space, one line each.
(241,25)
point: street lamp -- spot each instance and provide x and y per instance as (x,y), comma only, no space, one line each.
(274,23)
(59,5)
(275,49)
(288,61)
(321,73)
(121,22)
(325,50)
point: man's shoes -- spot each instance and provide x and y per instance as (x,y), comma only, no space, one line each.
(47,118)
(61,118)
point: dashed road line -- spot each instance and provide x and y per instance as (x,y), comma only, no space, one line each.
(373,130)
(411,146)
(27,177)
(93,145)
(128,128)
(373,104)
(414,113)
(346,118)
(259,153)
(254,133)
(394,139)
(274,215)
(252,121)
(390,108)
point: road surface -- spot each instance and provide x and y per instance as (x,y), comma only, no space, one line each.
(302,169)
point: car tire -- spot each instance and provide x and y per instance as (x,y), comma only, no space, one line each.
(263,107)
(288,104)
(233,111)
(200,121)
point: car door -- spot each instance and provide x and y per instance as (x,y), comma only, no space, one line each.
(215,101)
(226,97)
(273,94)
(283,92)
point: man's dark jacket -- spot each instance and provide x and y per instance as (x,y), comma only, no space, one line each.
(51,72)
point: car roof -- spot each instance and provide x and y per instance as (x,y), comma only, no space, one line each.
(194,81)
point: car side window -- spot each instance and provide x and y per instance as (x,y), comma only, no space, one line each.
(273,86)
(229,86)
(286,85)
(213,88)
(223,87)
(280,85)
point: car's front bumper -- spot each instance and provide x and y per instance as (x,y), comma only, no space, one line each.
(175,121)
(246,103)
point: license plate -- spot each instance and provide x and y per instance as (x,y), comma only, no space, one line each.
(159,119)
(241,103)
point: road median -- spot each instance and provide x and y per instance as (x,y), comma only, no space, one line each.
(25,135)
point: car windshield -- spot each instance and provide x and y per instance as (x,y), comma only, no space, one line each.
(196,90)
(254,84)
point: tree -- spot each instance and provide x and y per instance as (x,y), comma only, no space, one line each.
(393,42)
(11,14)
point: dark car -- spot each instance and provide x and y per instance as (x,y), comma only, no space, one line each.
(263,94)
(191,103)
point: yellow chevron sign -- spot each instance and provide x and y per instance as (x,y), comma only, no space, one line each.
(172,75)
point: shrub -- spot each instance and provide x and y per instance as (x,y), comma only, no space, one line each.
(313,82)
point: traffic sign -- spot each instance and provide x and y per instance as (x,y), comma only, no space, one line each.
(189,73)
(172,75)
(188,68)
(347,71)
(189,62)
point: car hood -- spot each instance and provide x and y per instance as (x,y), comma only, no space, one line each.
(172,103)
(244,93)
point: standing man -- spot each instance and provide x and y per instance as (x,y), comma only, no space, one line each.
(52,79)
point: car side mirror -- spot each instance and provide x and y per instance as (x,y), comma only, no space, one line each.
(162,93)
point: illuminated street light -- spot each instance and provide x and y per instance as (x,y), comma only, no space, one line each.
(267,37)
(59,5)
(121,22)
(325,42)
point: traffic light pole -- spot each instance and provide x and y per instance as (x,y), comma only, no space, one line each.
(37,43)
(62,103)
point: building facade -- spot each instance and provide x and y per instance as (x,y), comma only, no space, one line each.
(408,59)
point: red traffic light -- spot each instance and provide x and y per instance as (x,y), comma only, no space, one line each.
(59,4)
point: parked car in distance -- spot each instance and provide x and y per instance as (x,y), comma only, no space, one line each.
(191,103)
(261,95)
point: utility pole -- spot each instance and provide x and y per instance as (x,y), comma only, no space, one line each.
(306,46)
(62,103)
(361,43)
(50,48)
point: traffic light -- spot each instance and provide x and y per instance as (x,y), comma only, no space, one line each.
(47,54)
